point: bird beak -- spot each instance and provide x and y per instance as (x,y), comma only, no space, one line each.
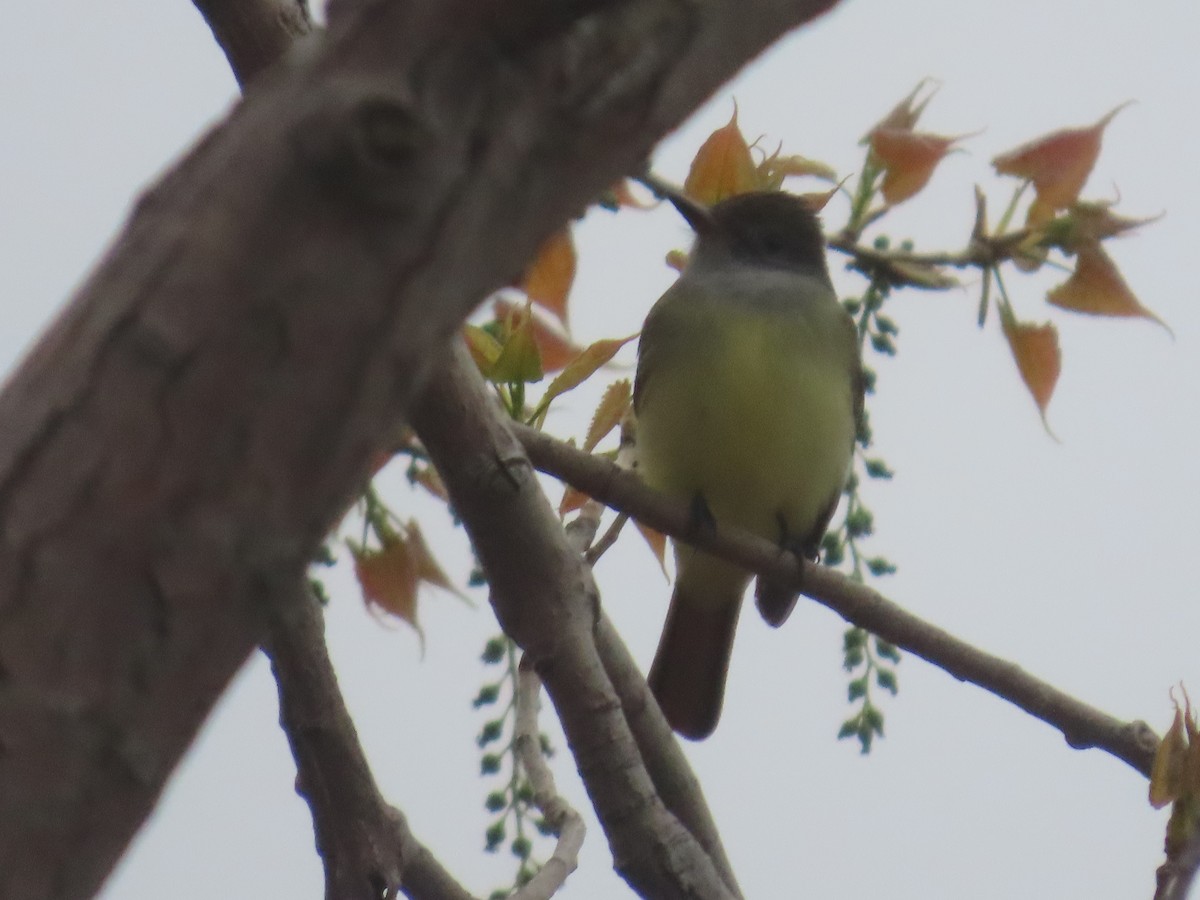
(696,214)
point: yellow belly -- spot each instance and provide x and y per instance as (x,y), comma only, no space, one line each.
(756,416)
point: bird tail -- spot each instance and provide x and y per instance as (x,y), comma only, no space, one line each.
(687,676)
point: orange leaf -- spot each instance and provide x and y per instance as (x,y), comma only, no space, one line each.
(388,578)
(1035,349)
(572,500)
(723,167)
(908,159)
(656,541)
(612,408)
(904,114)
(1059,163)
(428,569)
(817,200)
(1097,289)
(548,280)
(557,349)
(1192,773)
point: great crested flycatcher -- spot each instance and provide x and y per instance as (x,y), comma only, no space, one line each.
(747,396)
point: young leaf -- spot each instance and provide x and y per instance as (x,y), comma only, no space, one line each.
(817,200)
(581,368)
(775,168)
(656,541)
(548,280)
(553,344)
(556,348)
(1166,774)
(428,569)
(520,358)
(572,500)
(908,159)
(723,166)
(388,579)
(904,114)
(1087,224)
(1038,358)
(1058,164)
(484,347)
(1097,288)
(612,408)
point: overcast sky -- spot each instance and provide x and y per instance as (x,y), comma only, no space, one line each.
(1072,558)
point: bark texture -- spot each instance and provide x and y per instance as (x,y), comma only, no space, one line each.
(180,440)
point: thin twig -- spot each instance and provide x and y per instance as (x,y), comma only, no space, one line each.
(1082,725)
(607,539)
(1175,876)
(626,459)
(581,531)
(560,816)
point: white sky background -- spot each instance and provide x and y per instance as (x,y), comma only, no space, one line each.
(1070,558)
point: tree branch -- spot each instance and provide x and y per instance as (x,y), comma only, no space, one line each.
(673,778)
(182,438)
(546,600)
(1083,726)
(255,34)
(365,844)
(1176,875)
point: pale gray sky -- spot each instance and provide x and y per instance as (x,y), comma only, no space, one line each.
(1070,558)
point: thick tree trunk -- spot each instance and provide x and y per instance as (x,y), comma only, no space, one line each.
(179,442)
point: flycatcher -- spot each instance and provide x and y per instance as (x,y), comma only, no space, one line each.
(748,391)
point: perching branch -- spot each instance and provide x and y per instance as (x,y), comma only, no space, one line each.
(1083,726)
(546,601)
(673,778)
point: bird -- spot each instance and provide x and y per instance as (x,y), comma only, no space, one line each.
(747,397)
